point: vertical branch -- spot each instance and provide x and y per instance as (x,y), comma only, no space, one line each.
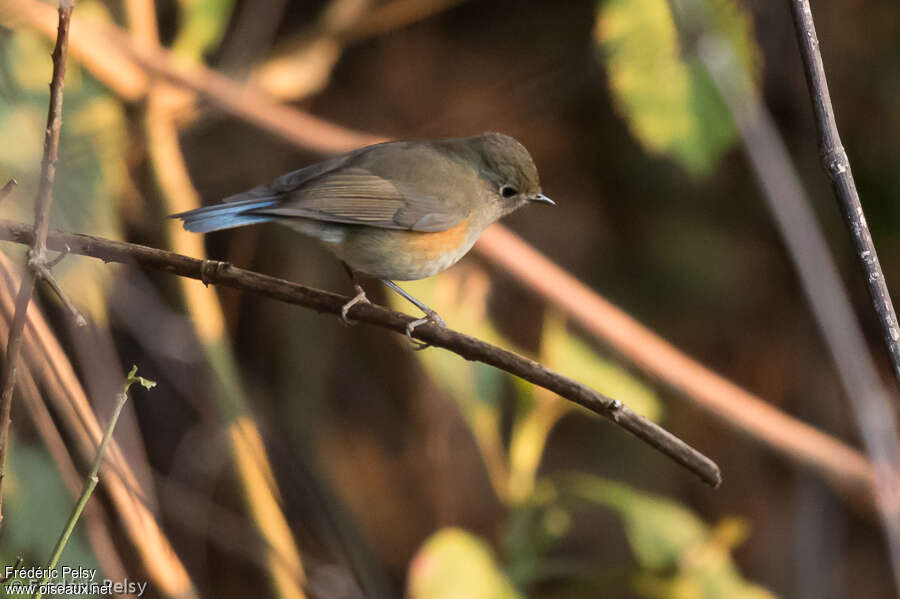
(51,134)
(806,246)
(837,166)
(37,254)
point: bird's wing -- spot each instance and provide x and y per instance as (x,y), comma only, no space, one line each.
(349,189)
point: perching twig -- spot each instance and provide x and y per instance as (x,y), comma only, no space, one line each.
(837,166)
(37,254)
(222,273)
(93,477)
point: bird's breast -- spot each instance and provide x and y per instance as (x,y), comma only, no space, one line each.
(404,255)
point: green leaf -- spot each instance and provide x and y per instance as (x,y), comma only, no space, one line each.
(455,564)
(659,530)
(132,379)
(670,104)
(681,556)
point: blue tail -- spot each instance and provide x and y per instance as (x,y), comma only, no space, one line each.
(225,216)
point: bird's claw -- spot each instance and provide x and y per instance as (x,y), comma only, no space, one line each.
(431,317)
(359,298)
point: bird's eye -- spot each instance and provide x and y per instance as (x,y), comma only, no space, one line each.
(508,191)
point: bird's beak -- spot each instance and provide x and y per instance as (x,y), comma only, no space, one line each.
(542,199)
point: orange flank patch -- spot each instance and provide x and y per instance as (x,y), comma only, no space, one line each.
(433,246)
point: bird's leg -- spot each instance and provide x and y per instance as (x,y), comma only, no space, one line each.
(359,298)
(430,316)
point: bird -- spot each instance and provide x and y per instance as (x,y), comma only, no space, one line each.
(395,211)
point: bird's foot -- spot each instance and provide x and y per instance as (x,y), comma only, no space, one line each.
(359,298)
(431,317)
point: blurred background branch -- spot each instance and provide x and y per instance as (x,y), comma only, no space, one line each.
(178,195)
(737,407)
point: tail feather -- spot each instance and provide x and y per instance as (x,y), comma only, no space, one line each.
(225,216)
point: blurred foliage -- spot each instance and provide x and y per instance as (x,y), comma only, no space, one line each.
(475,387)
(677,555)
(36,506)
(670,103)
(461,296)
(680,557)
(455,564)
(533,533)
(202,25)
(91,172)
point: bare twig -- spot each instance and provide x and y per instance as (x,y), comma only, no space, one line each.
(739,408)
(7,189)
(92,478)
(42,271)
(37,254)
(97,525)
(222,273)
(824,291)
(809,252)
(837,166)
(63,394)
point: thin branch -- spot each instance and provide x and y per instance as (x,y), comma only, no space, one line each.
(806,246)
(654,355)
(8,189)
(43,272)
(821,281)
(92,478)
(37,254)
(222,273)
(64,395)
(97,525)
(837,166)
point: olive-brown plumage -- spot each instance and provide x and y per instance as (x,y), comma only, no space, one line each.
(399,210)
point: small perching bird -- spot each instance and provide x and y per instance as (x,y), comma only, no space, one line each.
(396,211)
